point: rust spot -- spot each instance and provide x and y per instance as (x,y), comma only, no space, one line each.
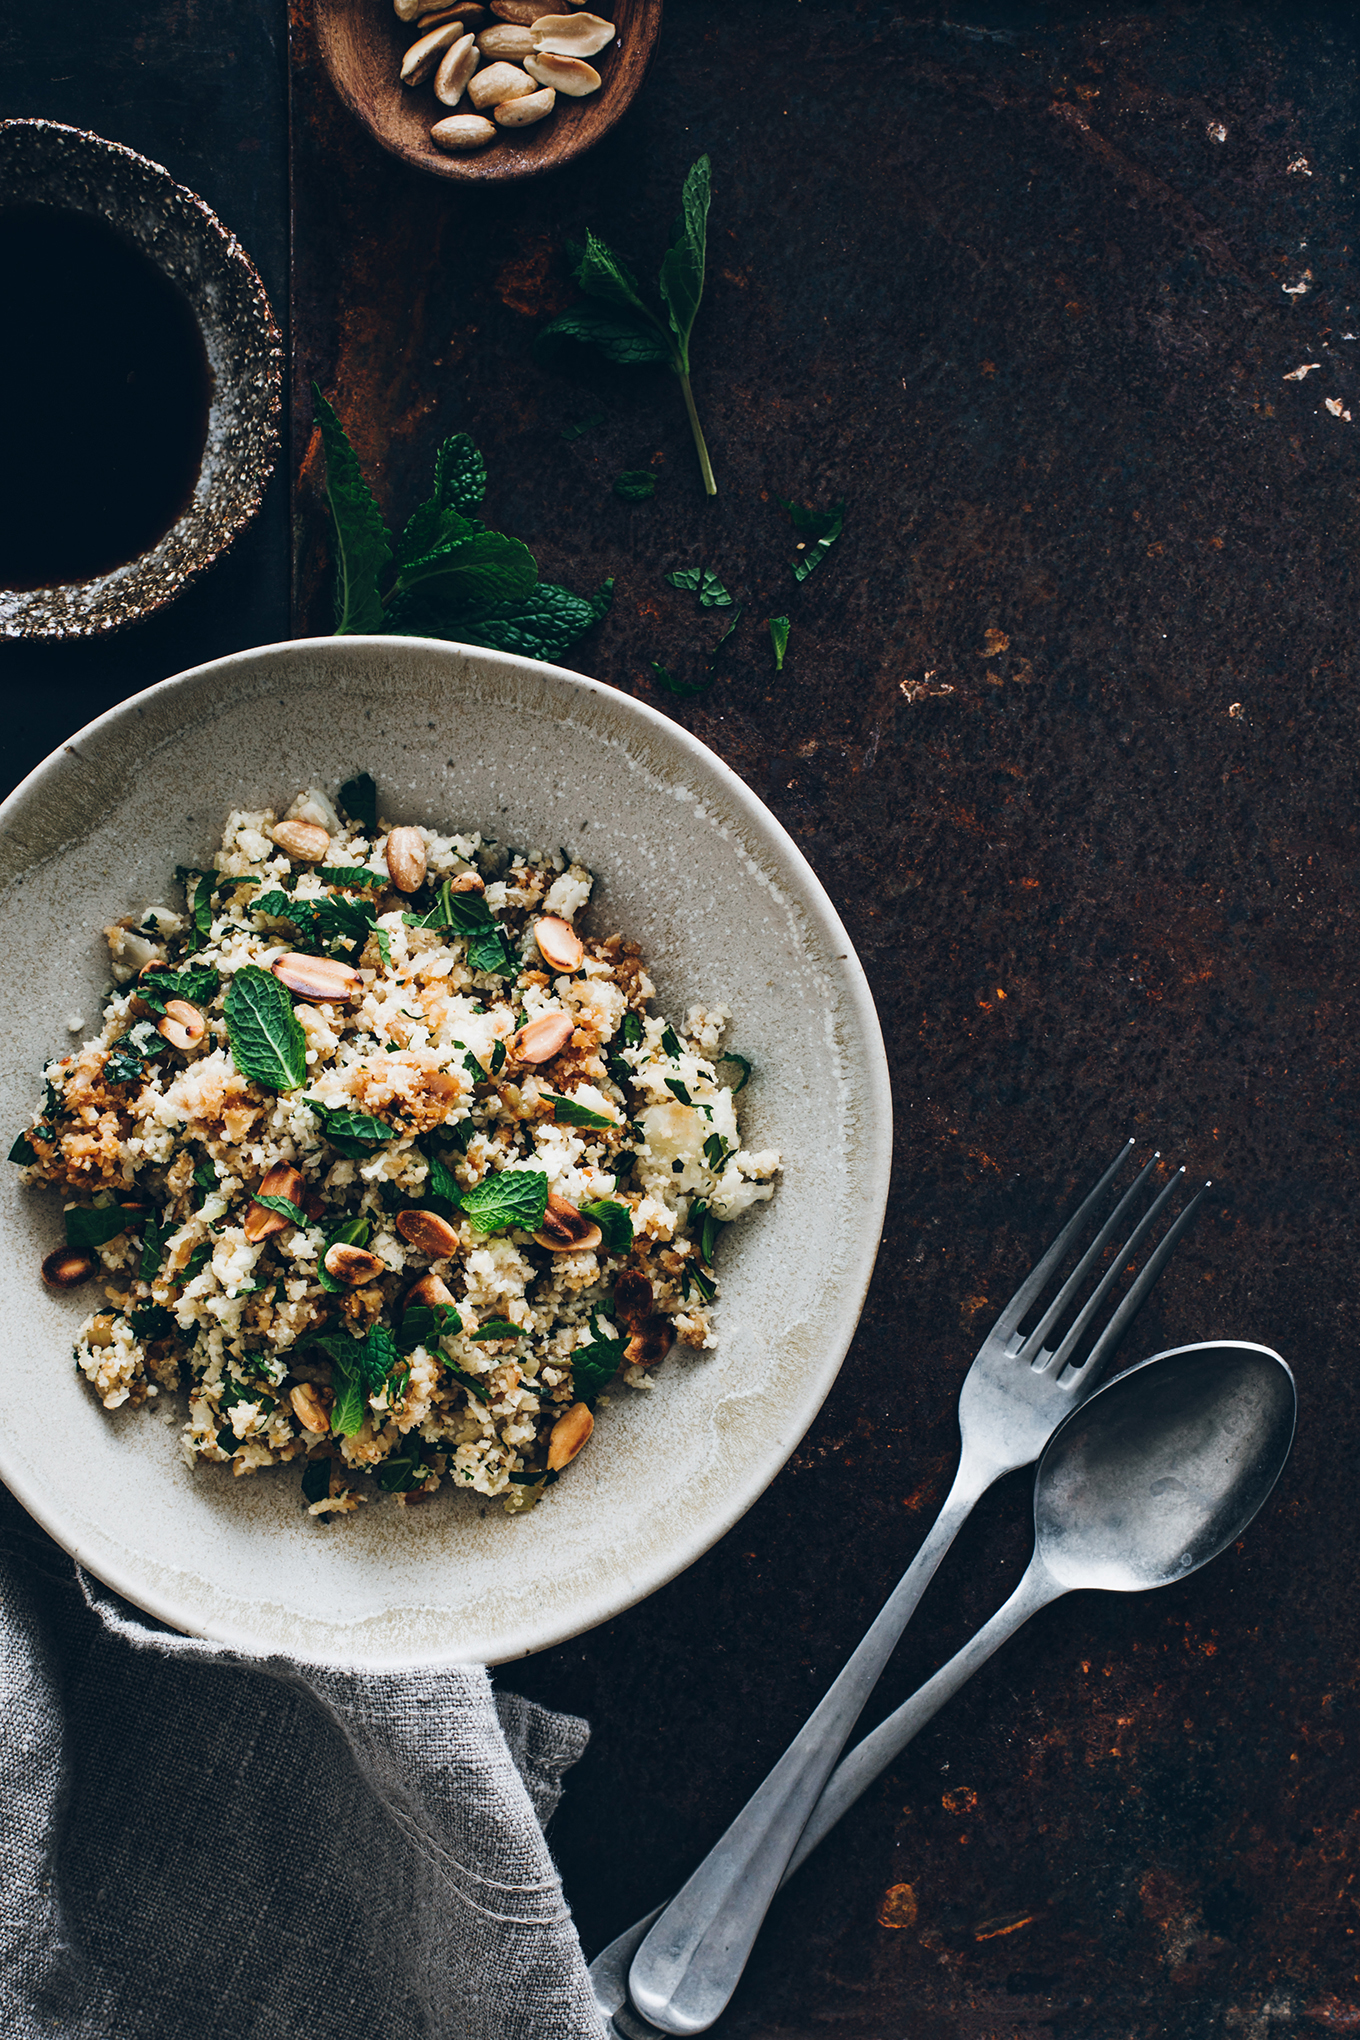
(526,281)
(898,1907)
(1004,1923)
(962,1800)
(994,642)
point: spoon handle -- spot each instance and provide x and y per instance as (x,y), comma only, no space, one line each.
(882,1744)
(690,1962)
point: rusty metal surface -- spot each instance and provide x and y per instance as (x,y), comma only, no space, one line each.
(1068,728)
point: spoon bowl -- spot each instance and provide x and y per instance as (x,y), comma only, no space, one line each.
(1161,1469)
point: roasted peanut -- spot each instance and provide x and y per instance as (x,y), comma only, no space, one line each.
(564,1229)
(525,108)
(431,1290)
(308,1407)
(283,1180)
(504,39)
(632,1298)
(558,943)
(498,83)
(406,847)
(423,55)
(181,1024)
(650,1342)
(428,1233)
(543,1038)
(569,1434)
(318,978)
(306,842)
(572,35)
(66,1268)
(564,74)
(524,12)
(352,1265)
(462,131)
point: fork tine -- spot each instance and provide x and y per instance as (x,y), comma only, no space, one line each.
(1034,1343)
(1058,1359)
(1114,1331)
(1038,1277)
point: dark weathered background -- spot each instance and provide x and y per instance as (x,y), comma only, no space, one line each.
(1068,729)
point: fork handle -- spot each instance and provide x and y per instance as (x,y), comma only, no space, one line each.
(689,1965)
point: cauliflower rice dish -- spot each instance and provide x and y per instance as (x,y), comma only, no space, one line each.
(385,1162)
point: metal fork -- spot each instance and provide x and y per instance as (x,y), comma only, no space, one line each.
(1016,1393)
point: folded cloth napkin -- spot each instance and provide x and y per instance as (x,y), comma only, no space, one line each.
(193,1841)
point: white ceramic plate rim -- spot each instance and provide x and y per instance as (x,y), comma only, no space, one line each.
(874,1160)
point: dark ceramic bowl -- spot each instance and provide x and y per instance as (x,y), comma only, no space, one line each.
(43,163)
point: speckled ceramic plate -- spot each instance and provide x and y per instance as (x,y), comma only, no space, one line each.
(45,163)
(690,864)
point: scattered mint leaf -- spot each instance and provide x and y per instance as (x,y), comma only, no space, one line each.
(342,920)
(127,1059)
(635,485)
(285,1208)
(363,548)
(730,632)
(615,1222)
(824,526)
(707,1290)
(681,687)
(197,983)
(353,1134)
(709,1238)
(742,1065)
(23,1151)
(401,1472)
(316,1480)
(468,1381)
(515,1197)
(544,626)
(423,1325)
(594,1366)
(154,1237)
(682,266)
(197,1260)
(670,1040)
(359,799)
(497,1328)
(198,898)
(350,875)
(677,1090)
(443,1184)
(779,638)
(268,1045)
(151,1321)
(488,950)
(567,1112)
(91,1226)
(360,1367)
(484,566)
(630,1027)
(582,426)
(629,339)
(703,582)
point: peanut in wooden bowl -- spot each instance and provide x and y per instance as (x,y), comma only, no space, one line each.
(362,44)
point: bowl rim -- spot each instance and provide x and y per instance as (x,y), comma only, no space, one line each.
(874,1156)
(493,165)
(204,529)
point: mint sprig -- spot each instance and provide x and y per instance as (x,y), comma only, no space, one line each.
(624,327)
(515,1197)
(454,577)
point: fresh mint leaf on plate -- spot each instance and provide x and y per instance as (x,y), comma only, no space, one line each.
(594,1366)
(268,1045)
(567,1112)
(363,549)
(350,875)
(616,319)
(359,797)
(285,1208)
(91,1226)
(197,983)
(151,1321)
(497,1328)
(353,1134)
(741,1064)
(23,1151)
(360,1367)
(127,1059)
(488,950)
(513,1198)
(424,1325)
(615,1222)
(198,898)
(316,1480)
(443,1184)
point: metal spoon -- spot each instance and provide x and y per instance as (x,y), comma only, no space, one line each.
(1146,1481)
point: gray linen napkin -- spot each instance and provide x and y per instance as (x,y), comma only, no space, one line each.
(194,1841)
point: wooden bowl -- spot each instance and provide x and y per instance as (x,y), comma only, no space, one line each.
(362,45)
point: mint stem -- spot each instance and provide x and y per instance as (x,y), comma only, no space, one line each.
(705,464)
